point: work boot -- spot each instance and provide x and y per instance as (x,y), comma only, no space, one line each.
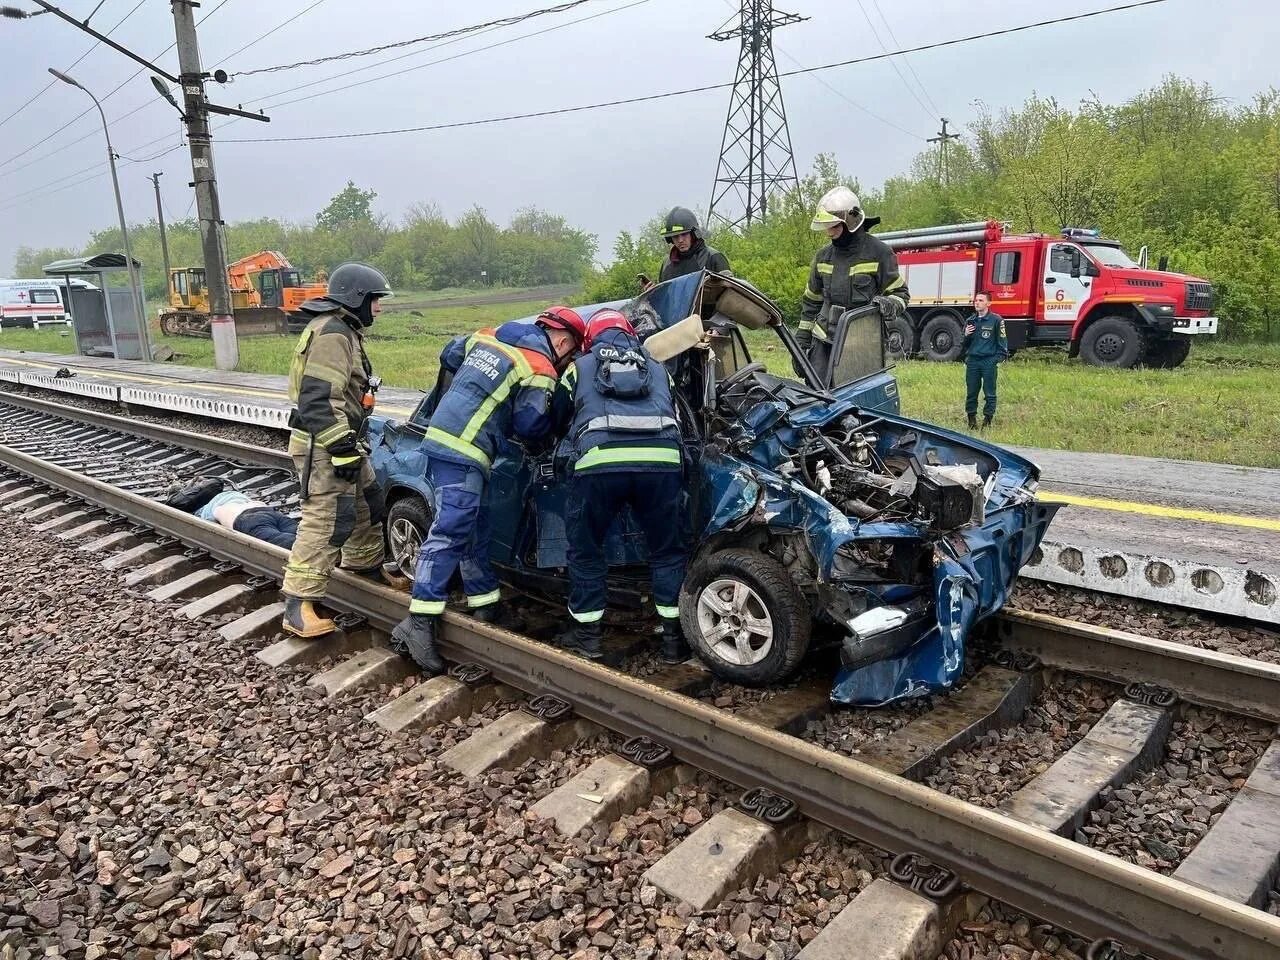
(674,648)
(582,639)
(387,575)
(415,637)
(303,620)
(986,420)
(498,615)
(973,421)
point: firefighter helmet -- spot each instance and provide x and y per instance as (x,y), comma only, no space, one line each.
(352,283)
(563,318)
(603,320)
(838,205)
(679,220)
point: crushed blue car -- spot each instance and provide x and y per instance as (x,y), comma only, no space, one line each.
(817,513)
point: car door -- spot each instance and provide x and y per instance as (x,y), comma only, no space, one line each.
(1064,294)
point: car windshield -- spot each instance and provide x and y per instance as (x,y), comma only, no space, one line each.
(1108,255)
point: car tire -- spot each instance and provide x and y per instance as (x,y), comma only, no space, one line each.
(406,527)
(738,587)
(1113,342)
(1167,353)
(942,338)
(899,338)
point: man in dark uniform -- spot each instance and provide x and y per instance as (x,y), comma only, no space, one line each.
(854,269)
(689,252)
(623,447)
(985,345)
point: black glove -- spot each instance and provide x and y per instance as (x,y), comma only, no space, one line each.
(889,307)
(347,457)
(415,637)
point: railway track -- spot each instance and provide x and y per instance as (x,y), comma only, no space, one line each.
(90,479)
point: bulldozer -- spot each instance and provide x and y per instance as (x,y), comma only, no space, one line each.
(266,292)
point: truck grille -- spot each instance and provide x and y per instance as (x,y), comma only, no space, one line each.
(1199,296)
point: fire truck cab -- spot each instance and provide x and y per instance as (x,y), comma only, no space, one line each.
(1077,288)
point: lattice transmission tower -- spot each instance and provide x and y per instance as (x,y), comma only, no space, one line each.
(755,153)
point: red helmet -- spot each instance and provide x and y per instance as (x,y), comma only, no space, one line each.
(563,318)
(603,320)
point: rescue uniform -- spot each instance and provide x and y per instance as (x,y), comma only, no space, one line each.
(699,257)
(502,384)
(623,444)
(982,352)
(848,272)
(328,381)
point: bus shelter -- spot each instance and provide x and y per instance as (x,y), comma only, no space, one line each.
(105,319)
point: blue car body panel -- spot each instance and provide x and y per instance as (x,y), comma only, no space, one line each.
(737,484)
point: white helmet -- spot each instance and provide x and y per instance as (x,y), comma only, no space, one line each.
(838,205)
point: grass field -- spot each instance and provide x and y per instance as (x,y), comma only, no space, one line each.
(1222,405)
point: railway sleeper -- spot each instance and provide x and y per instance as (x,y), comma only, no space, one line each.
(511,740)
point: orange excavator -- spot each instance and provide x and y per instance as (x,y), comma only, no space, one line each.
(266,292)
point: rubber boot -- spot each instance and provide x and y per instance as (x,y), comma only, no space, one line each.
(302,620)
(973,421)
(582,639)
(674,647)
(986,420)
(415,637)
(387,575)
(499,615)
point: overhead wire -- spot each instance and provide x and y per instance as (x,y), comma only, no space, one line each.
(284,23)
(932,114)
(894,37)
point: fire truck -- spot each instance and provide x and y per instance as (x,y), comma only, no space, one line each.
(1077,288)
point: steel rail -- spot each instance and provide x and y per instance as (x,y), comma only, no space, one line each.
(1045,875)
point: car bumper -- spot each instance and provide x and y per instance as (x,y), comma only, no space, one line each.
(1194,325)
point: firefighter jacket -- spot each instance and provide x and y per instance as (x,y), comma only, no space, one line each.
(622,415)
(848,272)
(503,384)
(328,379)
(988,339)
(699,257)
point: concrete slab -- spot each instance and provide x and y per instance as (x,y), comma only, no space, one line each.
(235,597)
(63,521)
(291,651)
(725,854)
(198,581)
(607,790)
(54,509)
(133,556)
(120,540)
(164,570)
(889,922)
(994,698)
(262,622)
(26,503)
(1239,858)
(368,668)
(434,701)
(1129,738)
(90,528)
(19,492)
(511,740)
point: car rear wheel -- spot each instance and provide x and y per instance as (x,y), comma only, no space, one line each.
(942,337)
(745,617)
(407,524)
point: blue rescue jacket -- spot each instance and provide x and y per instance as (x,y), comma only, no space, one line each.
(988,340)
(623,416)
(503,383)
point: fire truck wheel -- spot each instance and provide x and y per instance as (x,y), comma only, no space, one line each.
(942,337)
(1167,353)
(899,338)
(1113,342)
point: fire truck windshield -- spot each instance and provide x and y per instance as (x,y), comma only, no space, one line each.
(1108,255)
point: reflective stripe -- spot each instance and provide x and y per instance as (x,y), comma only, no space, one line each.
(667,613)
(484,599)
(806,324)
(597,456)
(469,450)
(813,295)
(426,606)
(301,435)
(819,333)
(330,434)
(591,616)
(487,406)
(894,284)
(538,380)
(825,267)
(867,266)
(343,461)
(638,424)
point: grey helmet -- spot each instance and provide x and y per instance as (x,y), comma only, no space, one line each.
(680,220)
(352,283)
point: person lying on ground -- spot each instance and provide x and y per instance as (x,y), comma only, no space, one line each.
(210,500)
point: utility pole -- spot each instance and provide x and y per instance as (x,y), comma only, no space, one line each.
(164,240)
(941,140)
(226,350)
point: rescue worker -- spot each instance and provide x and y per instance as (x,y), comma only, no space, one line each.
(689,252)
(985,346)
(623,447)
(851,271)
(500,383)
(332,386)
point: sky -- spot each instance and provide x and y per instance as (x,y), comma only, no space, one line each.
(604,170)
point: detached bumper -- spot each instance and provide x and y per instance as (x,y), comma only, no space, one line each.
(1193,325)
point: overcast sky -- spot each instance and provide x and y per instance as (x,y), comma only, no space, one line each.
(605,169)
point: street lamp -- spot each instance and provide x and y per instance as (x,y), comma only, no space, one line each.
(143,340)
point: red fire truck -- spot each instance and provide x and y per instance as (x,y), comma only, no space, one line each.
(1078,288)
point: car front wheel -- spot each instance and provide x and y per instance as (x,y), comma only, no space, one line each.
(407,524)
(745,617)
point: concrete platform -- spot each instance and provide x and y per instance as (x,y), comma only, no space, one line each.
(1204,536)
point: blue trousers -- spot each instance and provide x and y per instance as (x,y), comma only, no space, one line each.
(595,500)
(269,525)
(458,541)
(980,373)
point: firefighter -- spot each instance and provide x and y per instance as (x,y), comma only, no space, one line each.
(623,447)
(332,386)
(985,346)
(689,252)
(851,271)
(501,383)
